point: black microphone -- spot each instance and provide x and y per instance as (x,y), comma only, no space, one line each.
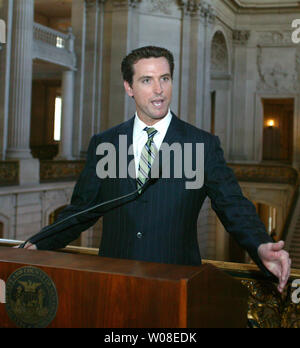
(46,233)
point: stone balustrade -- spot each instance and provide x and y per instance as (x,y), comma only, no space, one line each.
(53,46)
(51,171)
(50,36)
(9,173)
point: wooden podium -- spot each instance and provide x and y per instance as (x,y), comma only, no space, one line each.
(115,293)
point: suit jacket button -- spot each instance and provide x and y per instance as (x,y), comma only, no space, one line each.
(139,235)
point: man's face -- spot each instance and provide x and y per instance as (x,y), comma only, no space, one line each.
(151,89)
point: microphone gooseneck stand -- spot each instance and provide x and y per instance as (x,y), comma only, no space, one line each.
(47,232)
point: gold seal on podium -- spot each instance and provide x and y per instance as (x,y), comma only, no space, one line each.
(31,298)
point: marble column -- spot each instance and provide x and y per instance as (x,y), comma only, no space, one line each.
(197,19)
(203,109)
(21,80)
(6,15)
(18,139)
(87,24)
(186,61)
(239,128)
(65,148)
(92,72)
(105,31)
(121,30)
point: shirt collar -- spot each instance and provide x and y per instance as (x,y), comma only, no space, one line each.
(161,126)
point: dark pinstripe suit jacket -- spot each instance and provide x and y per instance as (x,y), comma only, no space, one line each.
(161,224)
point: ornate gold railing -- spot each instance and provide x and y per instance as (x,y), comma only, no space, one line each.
(267,173)
(267,307)
(9,173)
(69,170)
(50,171)
(53,171)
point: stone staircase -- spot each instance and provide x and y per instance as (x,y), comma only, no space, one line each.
(293,236)
(294,248)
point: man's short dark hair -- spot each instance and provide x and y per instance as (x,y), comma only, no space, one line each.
(141,53)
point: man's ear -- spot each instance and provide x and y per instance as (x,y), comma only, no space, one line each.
(128,89)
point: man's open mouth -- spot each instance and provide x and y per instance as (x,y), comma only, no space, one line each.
(158,103)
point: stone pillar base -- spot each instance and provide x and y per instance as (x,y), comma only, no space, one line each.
(29,171)
(63,158)
(15,154)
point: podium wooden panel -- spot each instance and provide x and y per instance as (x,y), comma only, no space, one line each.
(116,293)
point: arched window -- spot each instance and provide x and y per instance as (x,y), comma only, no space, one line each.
(219,86)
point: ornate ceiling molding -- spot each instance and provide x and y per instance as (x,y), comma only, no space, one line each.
(162,6)
(265,3)
(240,37)
(266,6)
(125,3)
(198,8)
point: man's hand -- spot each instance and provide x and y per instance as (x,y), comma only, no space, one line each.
(277,261)
(28,246)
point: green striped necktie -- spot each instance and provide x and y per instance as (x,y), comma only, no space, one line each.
(147,157)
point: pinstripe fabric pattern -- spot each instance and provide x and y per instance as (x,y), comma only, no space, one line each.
(160,225)
(147,157)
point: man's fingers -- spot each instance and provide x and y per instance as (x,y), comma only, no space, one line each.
(285,270)
(30,246)
(284,265)
(289,269)
(27,246)
(276,251)
(277,246)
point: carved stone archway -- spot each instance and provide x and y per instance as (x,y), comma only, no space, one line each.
(220,86)
(219,54)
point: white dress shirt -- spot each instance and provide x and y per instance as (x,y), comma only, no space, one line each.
(140,137)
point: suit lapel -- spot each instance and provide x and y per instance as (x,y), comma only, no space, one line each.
(175,134)
(127,129)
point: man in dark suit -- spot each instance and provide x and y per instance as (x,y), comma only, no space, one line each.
(160,223)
